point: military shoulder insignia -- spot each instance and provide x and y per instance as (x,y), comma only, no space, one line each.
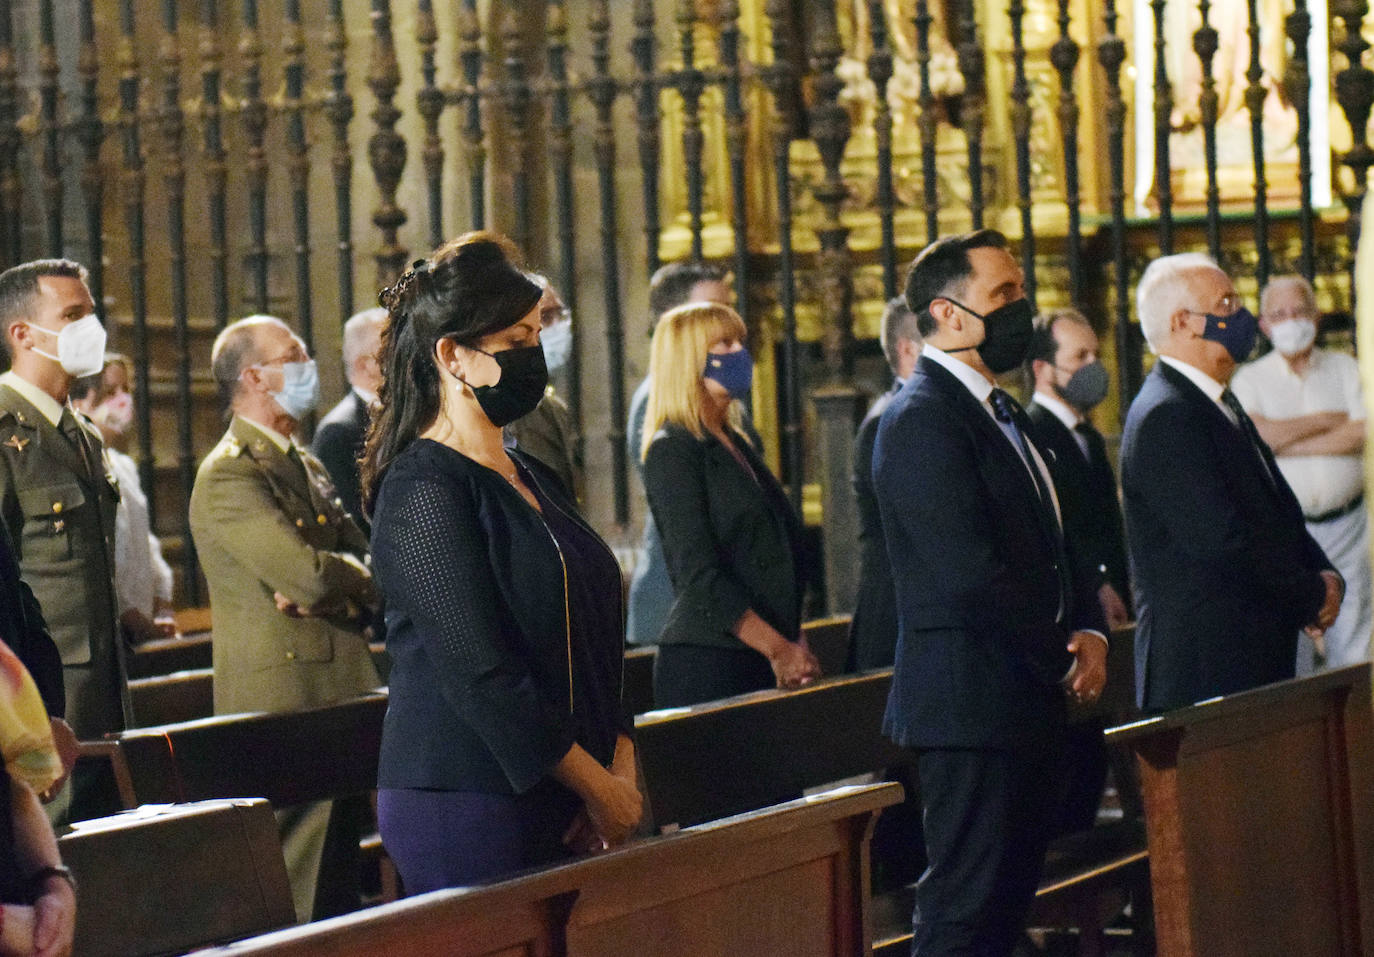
(16,443)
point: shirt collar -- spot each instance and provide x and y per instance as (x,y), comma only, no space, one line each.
(369,398)
(1209,386)
(1059,408)
(50,408)
(282,442)
(972,379)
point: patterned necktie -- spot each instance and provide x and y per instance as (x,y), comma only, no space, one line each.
(1247,426)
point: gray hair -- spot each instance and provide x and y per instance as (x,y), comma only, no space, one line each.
(1309,295)
(899,323)
(358,331)
(1164,289)
(235,349)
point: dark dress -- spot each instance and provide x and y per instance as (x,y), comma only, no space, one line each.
(732,543)
(495,675)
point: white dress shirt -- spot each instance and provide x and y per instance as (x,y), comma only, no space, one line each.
(1061,411)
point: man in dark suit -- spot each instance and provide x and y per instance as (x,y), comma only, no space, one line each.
(992,630)
(340,435)
(1225,571)
(873,632)
(1069,381)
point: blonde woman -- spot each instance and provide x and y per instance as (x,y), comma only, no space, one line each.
(730,536)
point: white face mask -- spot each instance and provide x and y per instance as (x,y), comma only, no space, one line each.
(300,388)
(1293,336)
(80,346)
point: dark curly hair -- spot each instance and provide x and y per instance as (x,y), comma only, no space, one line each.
(469,288)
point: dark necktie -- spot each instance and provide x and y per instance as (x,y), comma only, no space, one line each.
(1247,427)
(74,434)
(1008,411)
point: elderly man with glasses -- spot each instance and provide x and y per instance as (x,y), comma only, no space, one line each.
(1225,571)
(1307,406)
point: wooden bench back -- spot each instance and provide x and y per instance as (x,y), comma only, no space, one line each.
(171,699)
(786,880)
(189,876)
(166,655)
(725,757)
(286,757)
(1259,809)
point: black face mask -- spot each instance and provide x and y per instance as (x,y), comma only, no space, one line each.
(1006,334)
(524,377)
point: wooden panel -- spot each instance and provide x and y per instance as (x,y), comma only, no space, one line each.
(829,642)
(770,882)
(726,757)
(173,698)
(638,690)
(1260,819)
(191,875)
(166,655)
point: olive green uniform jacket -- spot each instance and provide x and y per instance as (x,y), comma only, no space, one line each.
(266,522)
(58,502)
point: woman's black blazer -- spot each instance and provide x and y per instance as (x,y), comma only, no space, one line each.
(481,690)
(732,543)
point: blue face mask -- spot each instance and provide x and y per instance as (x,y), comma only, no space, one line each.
(732,370)
(1236,332)
(557,341)
(300,388)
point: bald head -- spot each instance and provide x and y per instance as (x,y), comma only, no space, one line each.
(242,345)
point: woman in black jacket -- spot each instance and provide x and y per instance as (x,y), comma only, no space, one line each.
(504,745)
(729,534)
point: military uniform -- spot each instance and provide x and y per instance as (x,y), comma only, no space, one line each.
(58,503)
(266,520)
(549,434)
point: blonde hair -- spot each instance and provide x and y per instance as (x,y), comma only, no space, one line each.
(682,339)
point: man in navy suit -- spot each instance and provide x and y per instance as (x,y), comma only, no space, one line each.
(1225,572)
(993,632)
(340,435)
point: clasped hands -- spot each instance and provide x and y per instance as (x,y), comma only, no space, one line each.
(1089,674)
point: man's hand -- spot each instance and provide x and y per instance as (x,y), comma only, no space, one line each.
(1090,673)
(794,665)
(65,739)
(324,609)
(1113,608)
(1331,607)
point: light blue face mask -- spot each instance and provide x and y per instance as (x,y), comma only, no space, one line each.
(557,341)
(300,388)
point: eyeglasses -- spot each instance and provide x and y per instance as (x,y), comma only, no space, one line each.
(296,356)
(1283,315)
(1227,305)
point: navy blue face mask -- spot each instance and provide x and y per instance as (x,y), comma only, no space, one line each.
(1236,332)
(734,371)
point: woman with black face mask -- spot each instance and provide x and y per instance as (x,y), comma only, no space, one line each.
(730,536)
(504,745)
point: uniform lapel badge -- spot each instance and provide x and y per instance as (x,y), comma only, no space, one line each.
(16,443)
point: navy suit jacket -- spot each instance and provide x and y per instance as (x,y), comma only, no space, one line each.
(873,631)
(981,646)
(338,442)
(1225,573)
(1087,497)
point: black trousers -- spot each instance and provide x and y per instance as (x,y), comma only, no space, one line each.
(988,817)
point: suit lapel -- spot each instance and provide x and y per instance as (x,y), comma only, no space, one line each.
(987,431)
(45,436)
(283,473)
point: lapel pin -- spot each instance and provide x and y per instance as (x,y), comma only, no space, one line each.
(16,443)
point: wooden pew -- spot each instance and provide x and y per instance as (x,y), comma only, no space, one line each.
(173,698)
(166,880)
(638,690)
(288,758)
(828,639)
(166,655)
(725,757)
(1260,813)
(785,880)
